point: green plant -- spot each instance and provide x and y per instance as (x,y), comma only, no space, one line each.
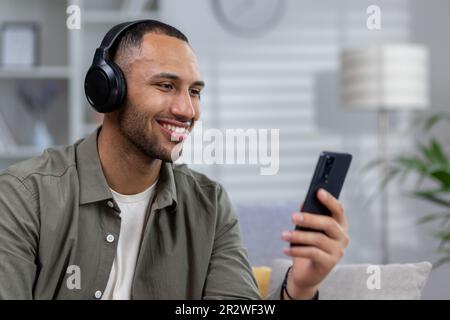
(429,162)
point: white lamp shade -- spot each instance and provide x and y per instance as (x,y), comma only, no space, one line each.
(391,77)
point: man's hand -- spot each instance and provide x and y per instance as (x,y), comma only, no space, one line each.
(319,252)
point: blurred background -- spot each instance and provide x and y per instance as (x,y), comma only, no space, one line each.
(268,64)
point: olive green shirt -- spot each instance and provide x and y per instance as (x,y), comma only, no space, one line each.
(59,221)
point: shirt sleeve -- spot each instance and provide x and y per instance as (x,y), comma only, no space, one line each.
(229,275)
(19,238)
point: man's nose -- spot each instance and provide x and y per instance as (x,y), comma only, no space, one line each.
(183,106)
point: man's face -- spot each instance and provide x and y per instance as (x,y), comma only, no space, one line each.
(163,96)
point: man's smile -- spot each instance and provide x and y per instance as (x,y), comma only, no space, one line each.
(175,130)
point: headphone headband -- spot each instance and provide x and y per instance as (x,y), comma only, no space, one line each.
(111,37)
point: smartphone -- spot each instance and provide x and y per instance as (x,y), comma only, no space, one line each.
(330,173)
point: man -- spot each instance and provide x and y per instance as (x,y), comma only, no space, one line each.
(111,217)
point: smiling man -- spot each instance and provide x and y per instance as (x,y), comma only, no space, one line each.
(111,217)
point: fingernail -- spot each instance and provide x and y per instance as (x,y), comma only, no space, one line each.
(323,193)
(286,235)
(286,250)
(298,217)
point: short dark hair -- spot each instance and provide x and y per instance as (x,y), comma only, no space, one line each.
(132,37)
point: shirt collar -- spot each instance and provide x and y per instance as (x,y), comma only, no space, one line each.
(166,191)
(93,185)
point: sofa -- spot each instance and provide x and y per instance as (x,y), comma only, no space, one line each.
(261,226)
(356,281)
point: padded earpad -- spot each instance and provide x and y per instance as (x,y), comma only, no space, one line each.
(121,86)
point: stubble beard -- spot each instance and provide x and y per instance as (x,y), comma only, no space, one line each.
(134,126)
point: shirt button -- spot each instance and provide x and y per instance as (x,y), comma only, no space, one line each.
(98,294)
(110,238)
(110,204)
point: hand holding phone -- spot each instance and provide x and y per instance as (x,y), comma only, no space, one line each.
(317,251)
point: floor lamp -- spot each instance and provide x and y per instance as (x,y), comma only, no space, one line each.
(385,78)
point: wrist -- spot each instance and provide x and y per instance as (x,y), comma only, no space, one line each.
(300,293)
(290,291)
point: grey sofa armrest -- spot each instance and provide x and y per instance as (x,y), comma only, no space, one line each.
(364,281)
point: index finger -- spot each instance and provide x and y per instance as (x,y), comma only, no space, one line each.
(335,207)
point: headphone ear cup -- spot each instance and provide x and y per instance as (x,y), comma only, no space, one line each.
(96,88)
(105,87)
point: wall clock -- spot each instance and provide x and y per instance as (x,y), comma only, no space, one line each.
(248,17)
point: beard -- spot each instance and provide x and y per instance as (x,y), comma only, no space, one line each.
(134,126)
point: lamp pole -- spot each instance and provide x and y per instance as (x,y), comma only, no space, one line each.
(383,131)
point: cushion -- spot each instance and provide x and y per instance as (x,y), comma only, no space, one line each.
(365,281)
(262,276)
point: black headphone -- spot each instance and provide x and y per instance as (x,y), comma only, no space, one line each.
(105,85)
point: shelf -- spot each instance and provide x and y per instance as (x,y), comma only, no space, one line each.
(63,54)
(43,72)
(116,16)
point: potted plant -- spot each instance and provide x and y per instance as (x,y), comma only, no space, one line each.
(430,161)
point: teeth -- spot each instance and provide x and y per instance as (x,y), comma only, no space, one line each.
(175,129)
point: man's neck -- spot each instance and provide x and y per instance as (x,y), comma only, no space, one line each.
(126,169)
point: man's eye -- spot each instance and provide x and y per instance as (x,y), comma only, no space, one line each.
(166,86)
(195,92)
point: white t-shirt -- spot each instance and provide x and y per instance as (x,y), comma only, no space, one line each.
(133,211)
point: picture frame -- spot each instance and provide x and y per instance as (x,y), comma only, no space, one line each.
(19,44)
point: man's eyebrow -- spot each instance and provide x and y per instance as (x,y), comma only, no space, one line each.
(172,76)
(199,83)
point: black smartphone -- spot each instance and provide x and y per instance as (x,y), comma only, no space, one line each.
(330,173)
